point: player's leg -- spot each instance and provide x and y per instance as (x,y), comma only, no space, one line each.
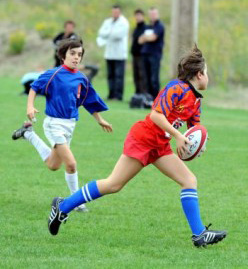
(175,168)
(59,133)
(26,131)
(112,184)
(54,161)
(93,190)
(125,169)
(48,155)
(66,156)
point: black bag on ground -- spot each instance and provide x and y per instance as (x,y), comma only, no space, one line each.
(141,100)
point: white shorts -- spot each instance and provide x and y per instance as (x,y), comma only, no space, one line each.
(59,131)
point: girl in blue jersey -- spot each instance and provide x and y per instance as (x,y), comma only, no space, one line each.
(66,89)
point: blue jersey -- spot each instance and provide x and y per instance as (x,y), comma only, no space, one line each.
(66,90)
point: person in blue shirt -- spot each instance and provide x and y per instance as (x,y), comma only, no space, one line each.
(152,50)
(66,89)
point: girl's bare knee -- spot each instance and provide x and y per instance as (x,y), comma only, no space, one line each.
(190,182)
(115,188)
(53,167)
(112,187)
(71,167)
(52,164)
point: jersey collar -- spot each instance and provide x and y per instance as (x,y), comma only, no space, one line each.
(69,69)
(195,92)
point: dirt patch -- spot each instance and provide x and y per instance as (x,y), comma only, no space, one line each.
(37,52)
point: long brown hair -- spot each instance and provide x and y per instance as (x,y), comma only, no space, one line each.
(192,63)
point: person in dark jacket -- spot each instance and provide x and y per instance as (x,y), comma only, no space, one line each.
(152,50)
(68,33)
(138,64)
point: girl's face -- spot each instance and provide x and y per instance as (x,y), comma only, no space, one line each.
(73,57)
(203,79)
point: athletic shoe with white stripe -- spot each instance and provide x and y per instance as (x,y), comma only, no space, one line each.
(208,237)
(56,216)
(27,126)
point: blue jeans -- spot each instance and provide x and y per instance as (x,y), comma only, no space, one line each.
(116,71)
(152,68)
(139,75)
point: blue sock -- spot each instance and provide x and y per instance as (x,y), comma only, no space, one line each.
(189,200)
(86,194)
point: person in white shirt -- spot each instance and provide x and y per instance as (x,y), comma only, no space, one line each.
(113,34)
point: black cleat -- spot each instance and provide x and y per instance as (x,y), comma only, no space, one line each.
(56,216)
(27,126)
(208,237)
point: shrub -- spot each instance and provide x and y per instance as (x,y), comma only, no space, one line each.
(17,42)
(45,29)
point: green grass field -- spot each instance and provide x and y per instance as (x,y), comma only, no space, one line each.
(143,226)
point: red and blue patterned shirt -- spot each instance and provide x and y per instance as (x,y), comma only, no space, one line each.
(180,103)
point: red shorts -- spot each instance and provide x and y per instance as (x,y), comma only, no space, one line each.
(143,152)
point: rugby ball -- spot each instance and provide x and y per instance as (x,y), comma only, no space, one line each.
(198,136)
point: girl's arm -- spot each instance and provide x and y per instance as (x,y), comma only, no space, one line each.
(107,127)
(160,120)
(30,105)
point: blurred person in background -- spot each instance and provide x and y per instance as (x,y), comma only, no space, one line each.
(113,34)
(152,50)
(69,27)
(138,64)
(30,77)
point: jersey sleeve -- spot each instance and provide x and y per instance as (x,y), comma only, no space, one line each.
(93,102)
(195,119)
(167,100)
(39,85)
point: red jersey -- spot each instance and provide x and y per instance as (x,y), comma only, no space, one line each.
(180,103)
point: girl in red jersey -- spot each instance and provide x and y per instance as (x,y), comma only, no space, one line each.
(148,142)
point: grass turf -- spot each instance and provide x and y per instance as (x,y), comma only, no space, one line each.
(143,226)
